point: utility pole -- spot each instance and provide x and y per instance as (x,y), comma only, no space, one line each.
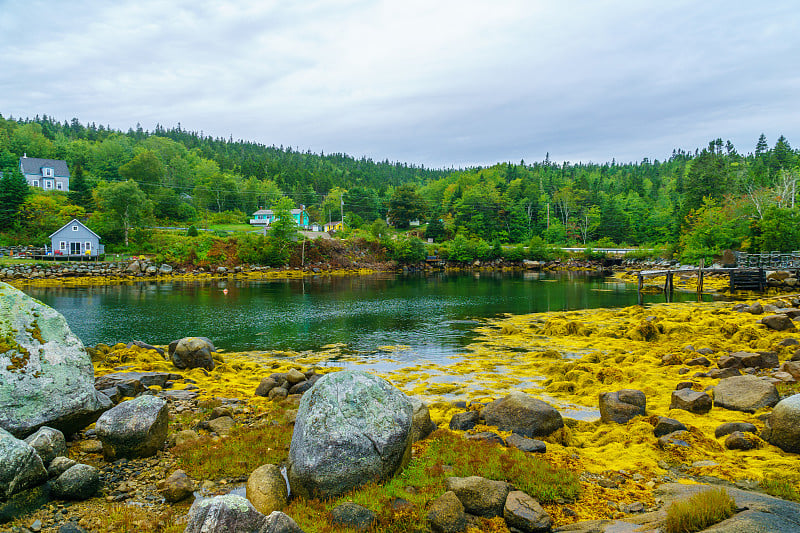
(342,207)
(548,215)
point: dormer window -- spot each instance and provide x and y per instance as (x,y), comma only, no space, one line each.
(47,172)
(74,228)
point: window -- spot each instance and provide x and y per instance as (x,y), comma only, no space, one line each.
(35,183)
(59,185)
(48,184)
(87,246)
(74,228)
(47,172)
(62,245)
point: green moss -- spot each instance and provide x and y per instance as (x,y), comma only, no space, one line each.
(17,353)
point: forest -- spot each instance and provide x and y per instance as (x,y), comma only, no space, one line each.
(691,206)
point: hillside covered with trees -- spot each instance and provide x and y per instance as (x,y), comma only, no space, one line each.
(695,203)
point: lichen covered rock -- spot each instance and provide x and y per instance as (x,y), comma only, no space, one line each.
(352,428)
(135,428)
(46,376)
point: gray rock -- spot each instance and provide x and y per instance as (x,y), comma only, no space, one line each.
(294,376)
(79,482)
(178,486)
(525,444)
(745,393)
(303,386)
(278,522)
(223,514)
(421,423)
(621,406)
(692,401)
(132,383)
(193,352)
(778,322)
(792,368)
(665,426)
(676,438)
(446,514)
(698,361)
(49,443)
(729,427)
(351,428)
(523,513)
(151,270)
(479,496)
(522,414)
(20,466)
(740,441)
(354,516)
(59,465)
(221,425)
(278,393)
(266,385)
(46,376)
(487,436)
(464,421)
(135,428)
(722,373)
(165,269)
(755,309)
(783,426)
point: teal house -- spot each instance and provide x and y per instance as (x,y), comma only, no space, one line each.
(265,217)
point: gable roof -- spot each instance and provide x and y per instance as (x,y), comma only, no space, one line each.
(271,212)
(71,222)
(33,165)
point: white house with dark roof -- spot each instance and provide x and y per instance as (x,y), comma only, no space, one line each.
(75,239)
(47,174)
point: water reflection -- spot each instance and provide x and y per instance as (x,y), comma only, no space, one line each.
(432,314)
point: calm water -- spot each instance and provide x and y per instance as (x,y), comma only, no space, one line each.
(433,314)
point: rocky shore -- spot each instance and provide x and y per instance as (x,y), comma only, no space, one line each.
(188,437)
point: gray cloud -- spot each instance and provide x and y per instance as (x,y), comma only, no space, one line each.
(438,83)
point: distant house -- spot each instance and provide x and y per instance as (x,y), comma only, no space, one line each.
(333,226)
(75,239)
(265,217)
(47,174)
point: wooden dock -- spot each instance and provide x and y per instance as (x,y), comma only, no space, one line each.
(741,278)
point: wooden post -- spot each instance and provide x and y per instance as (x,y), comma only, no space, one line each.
(700,279)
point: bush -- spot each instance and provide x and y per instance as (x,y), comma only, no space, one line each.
(700,511)
(538,250)
(590,255)
(407,250)
(192,231)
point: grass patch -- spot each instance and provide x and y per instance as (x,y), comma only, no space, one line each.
(124,518)
(781,487)
(700,511)
(444,454)
(238,454)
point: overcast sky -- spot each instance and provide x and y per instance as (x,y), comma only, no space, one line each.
(433,82)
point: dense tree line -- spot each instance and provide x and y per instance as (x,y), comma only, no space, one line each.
(701,201)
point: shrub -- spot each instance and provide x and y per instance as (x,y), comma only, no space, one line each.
(192,231)
(781,487)
(700,511)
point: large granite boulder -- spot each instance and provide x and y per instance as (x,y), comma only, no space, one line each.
(49,443)
(20,465)
(622,405)
(193,352)
(135,428)
(351,428)
(46,376)
(783,426)
(523,415)
(745,393)
(446,514)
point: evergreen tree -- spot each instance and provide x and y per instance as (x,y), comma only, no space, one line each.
(13,191)
(80,193)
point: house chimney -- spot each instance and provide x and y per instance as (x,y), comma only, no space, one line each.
(24,155)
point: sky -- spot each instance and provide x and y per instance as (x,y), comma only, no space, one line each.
(437,82)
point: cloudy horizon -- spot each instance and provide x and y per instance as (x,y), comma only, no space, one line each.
(436,83)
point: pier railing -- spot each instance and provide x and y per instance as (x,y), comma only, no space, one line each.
(770,260)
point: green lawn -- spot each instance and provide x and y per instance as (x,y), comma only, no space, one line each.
(231,227)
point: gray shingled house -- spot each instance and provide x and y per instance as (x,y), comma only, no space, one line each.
(47,174)
(76,240)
